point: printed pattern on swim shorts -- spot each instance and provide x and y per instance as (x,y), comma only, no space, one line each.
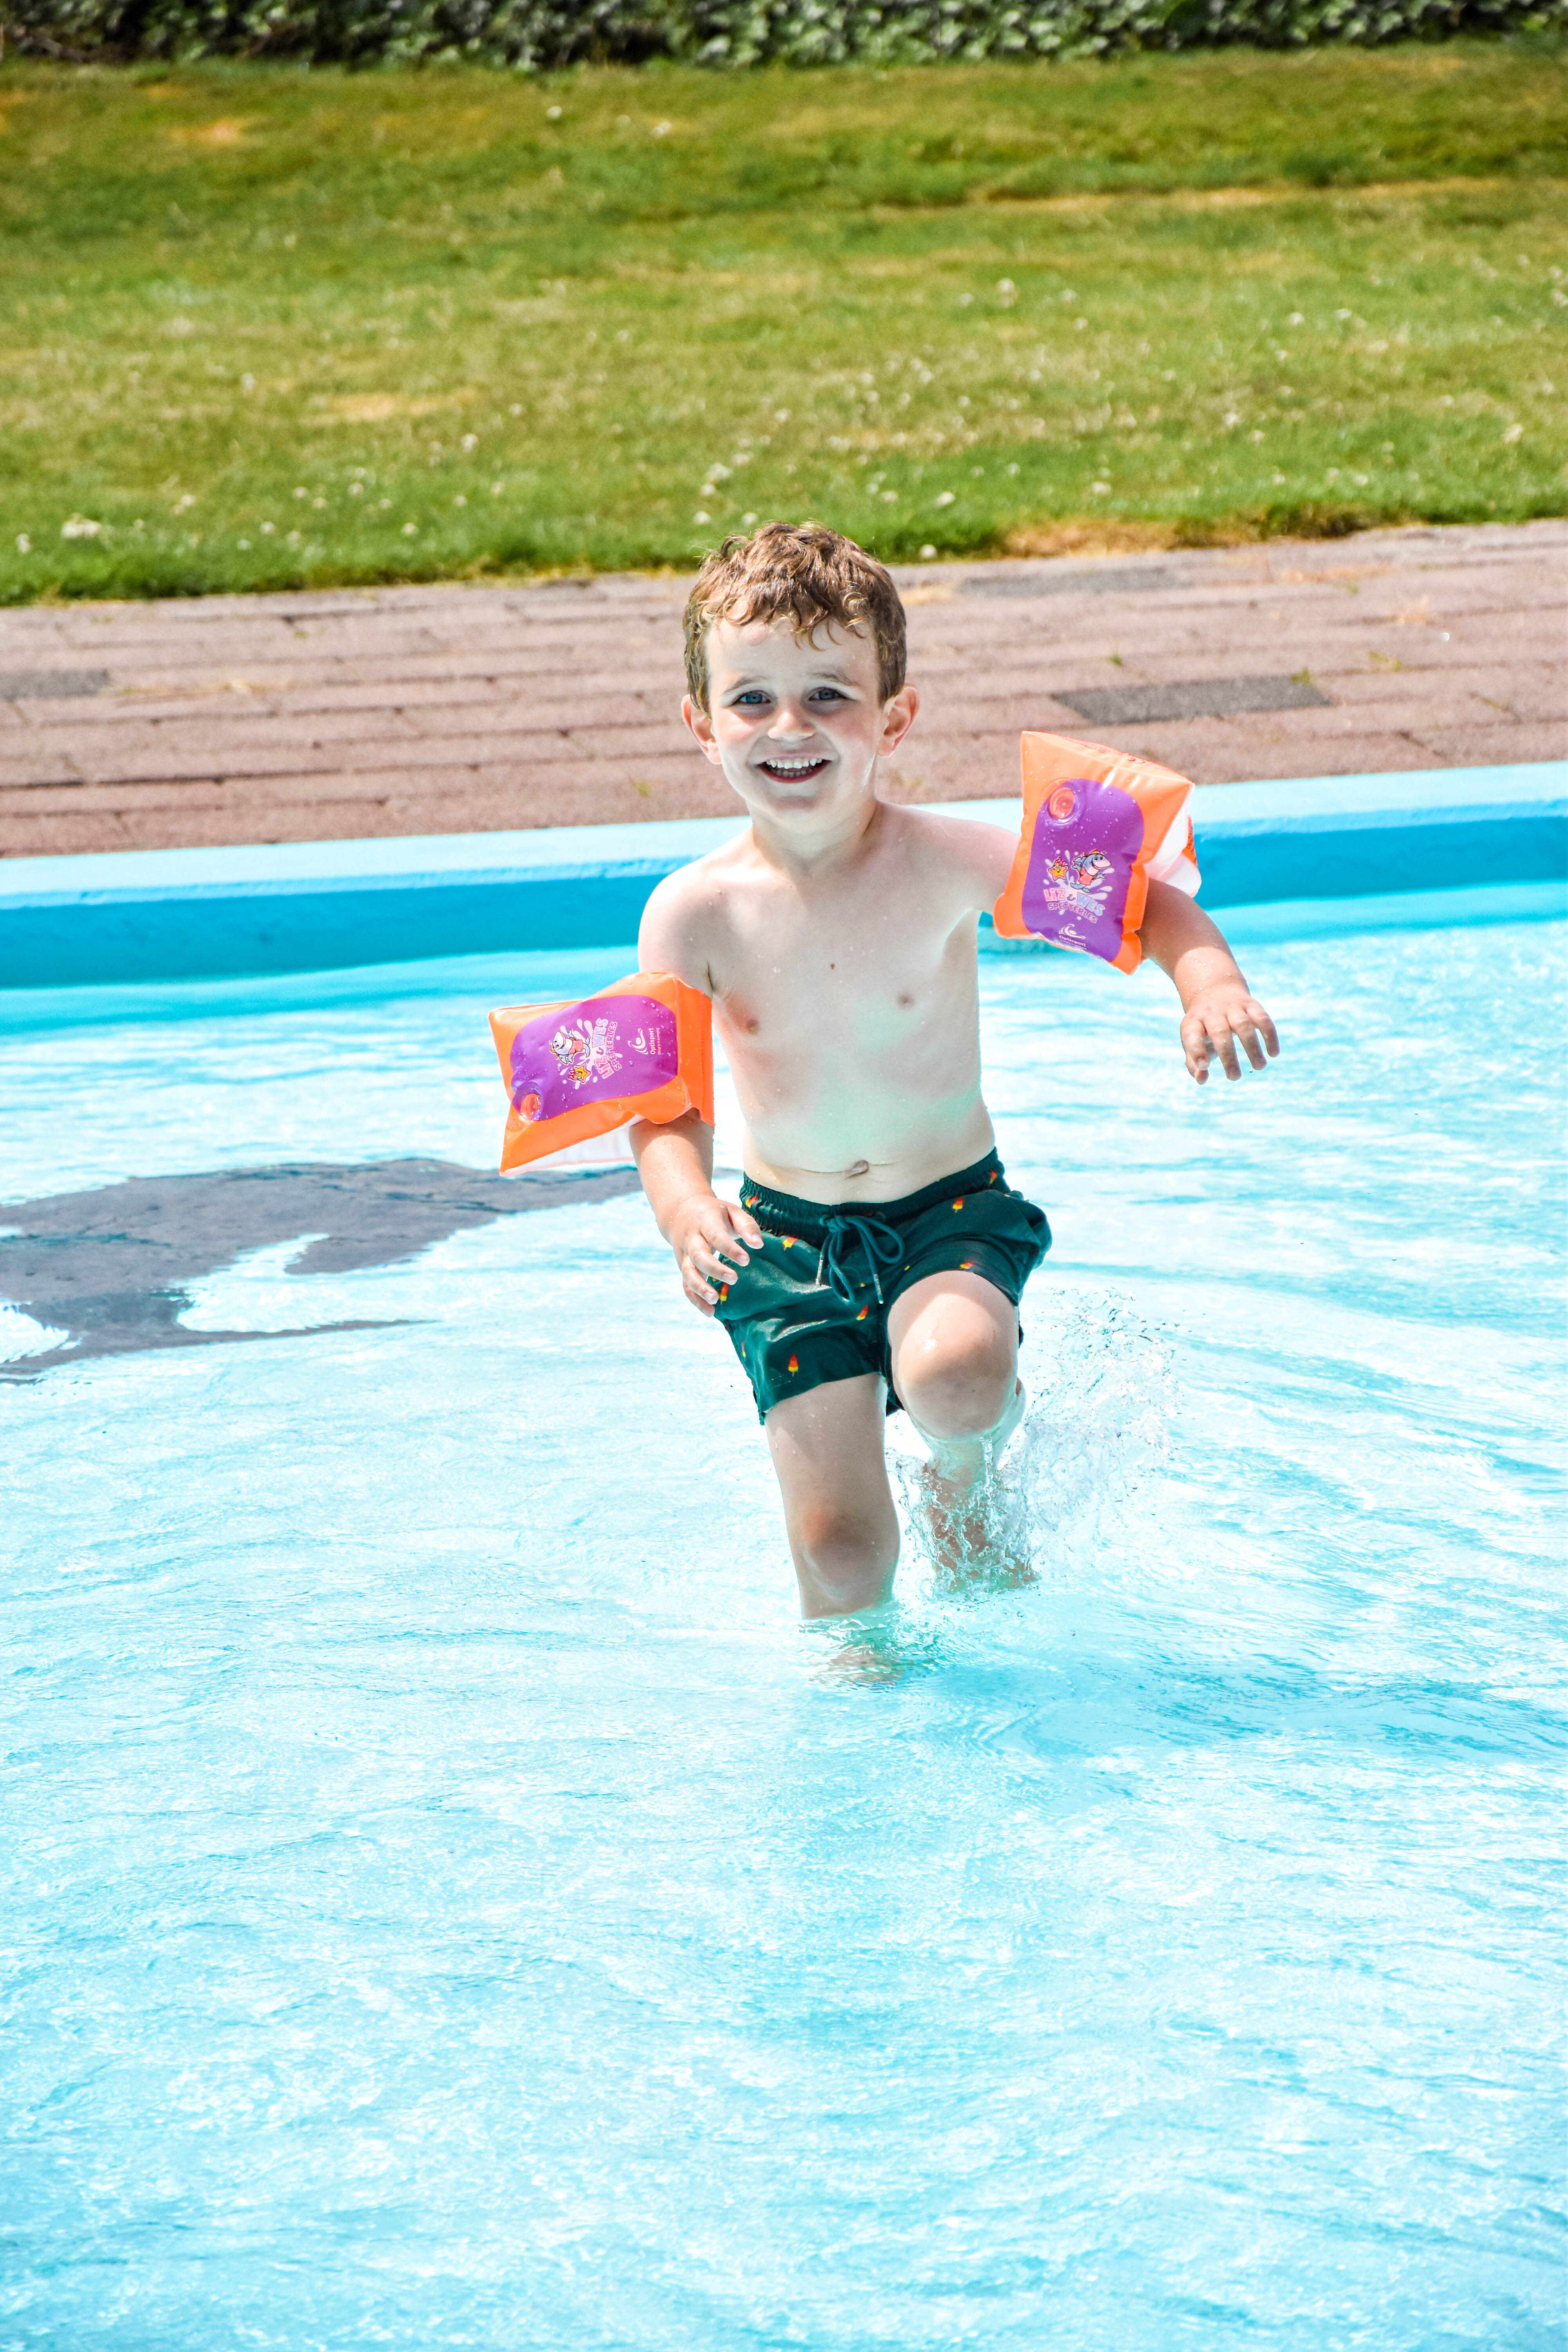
(812,1305)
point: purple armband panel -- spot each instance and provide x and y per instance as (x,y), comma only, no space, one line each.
(1099,826)
(642,1048)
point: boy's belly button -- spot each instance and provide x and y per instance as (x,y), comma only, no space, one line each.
(861,1168)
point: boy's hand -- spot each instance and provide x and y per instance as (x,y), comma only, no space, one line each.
(708,1237)
(1214,1018)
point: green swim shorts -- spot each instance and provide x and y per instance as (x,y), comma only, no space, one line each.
(812,1305)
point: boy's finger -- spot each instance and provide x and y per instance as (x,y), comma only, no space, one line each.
(1266,1029)
(1225,1046)
(1251,1043)
(698,1291)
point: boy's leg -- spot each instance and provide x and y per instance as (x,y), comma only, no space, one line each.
(838,1507)
(954,1339)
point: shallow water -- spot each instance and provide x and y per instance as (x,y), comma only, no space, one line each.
(449,1899)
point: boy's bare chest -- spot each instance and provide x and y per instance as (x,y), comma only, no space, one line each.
(810,982)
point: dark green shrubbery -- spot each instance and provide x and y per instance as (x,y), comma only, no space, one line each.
(537,35)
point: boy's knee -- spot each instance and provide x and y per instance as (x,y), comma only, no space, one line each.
(846,1560)
(960,1390)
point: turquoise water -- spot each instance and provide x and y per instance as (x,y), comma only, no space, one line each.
(448,1899)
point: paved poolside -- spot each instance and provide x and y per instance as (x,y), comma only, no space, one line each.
(347,714)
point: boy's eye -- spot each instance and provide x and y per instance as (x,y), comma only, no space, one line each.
(826,694)
(751,694)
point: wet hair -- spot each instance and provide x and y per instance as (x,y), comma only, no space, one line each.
(800,573)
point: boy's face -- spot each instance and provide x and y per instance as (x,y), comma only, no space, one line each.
(796,727)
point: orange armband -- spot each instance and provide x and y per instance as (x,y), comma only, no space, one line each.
(643,1049)
(1099,826)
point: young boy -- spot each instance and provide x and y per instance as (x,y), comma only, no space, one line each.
(876,1254)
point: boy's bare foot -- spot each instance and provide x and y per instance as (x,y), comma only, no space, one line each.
(970,1543)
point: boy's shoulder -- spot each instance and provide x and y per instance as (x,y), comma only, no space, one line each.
(681,921)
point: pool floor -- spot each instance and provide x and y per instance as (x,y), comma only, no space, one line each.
(449,1899)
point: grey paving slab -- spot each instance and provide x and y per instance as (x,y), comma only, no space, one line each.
(209,720)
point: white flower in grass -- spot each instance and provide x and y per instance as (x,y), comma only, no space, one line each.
(945,497)
(79,527)
(1515,433)
(748,520)
(24,545)
(410,530)
(470,441)
(700,517)
(267,529)
(1100,489)
(459,500)
(928,554)
(356,490)
(244,543)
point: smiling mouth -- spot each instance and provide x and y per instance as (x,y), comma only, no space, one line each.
(791,772)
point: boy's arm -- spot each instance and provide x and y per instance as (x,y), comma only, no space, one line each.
(1217,1005)
(675,1160)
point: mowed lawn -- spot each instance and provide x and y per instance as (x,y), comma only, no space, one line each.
(268,326)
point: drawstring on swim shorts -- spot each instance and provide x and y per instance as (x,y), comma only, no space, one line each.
(882,1245)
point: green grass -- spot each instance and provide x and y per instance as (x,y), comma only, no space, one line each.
(267,327)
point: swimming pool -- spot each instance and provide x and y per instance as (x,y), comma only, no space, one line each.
(449,1899)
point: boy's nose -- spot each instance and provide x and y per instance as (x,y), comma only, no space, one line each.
(791,721)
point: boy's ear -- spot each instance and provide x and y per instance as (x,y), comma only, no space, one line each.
(701,726)
(898,717)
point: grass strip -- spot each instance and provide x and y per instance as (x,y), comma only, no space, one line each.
(268,327)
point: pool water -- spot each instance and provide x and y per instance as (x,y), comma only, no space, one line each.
(448,1897)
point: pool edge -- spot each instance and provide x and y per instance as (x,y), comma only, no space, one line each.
(131,916)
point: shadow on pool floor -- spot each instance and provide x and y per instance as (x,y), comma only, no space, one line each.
(113,1267)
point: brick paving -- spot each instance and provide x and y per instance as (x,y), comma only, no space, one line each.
(456,710)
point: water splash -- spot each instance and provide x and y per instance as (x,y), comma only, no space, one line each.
(1101,1406)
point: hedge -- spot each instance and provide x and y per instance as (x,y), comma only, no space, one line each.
(540,34)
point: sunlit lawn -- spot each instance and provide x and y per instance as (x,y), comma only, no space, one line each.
(265,327)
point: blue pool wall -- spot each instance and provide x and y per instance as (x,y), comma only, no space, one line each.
(194,914)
